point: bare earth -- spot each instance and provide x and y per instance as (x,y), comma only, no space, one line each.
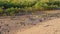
(49,27)
(48,23)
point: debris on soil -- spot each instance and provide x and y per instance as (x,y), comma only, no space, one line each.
(10,24)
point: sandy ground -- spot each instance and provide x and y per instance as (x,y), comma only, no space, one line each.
(31,24)
(49,27)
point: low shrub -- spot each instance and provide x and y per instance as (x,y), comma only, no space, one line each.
(17,7)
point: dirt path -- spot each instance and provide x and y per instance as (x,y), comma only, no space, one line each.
(49,27)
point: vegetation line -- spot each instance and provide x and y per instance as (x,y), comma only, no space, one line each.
(18,7)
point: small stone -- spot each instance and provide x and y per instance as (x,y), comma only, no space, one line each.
(0,32)
(22,23)
(8,31)
(6,24)
(40,20)
(0,26)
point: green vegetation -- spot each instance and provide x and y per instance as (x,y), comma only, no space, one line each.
(17,7)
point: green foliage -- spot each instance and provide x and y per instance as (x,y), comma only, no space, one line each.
(1,10)
(57,3)
(4,14)
(13,7)
(16,3)
(52,7)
